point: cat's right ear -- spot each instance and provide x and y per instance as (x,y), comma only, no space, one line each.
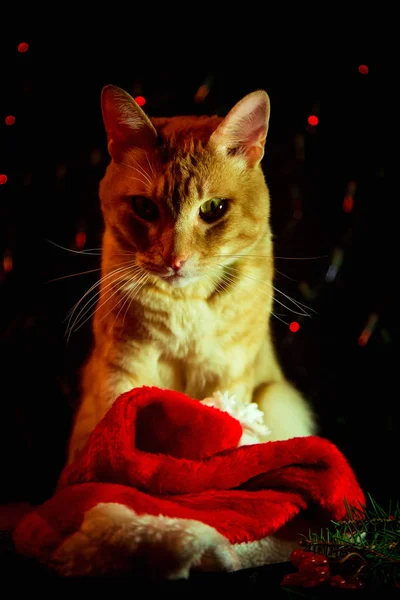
(244,129)
(126,124)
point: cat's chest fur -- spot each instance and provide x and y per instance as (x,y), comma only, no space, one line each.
(193,342)
(191,330)
(183,328)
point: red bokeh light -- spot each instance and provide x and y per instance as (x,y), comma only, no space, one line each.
(294,326)
(8,264)
(363,69)
(3,179)
(9,120)
(23,47)
(140,100)
(348,203)
(363,338)
(313,120)
(80,240)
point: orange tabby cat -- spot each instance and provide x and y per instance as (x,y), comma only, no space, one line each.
(187,265)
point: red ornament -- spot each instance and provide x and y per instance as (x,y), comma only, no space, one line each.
(23,47)
(3,179)
(140,100)
(10,120)
(294,327)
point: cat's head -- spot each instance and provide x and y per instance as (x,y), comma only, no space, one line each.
(185,195)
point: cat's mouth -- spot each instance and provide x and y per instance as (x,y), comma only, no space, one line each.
(178,279)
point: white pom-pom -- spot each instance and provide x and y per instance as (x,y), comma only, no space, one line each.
(249,416)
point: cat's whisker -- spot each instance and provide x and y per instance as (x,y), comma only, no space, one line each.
(302,307)
(140,181)
(284,275)
(106,300)
(73,275)
(89,251)
(124,253)
(87,307)
(303,313)
(127,296)
(140,285)
(241,256)
(143,174)
(93,299)
(274,314)
(229,277)
(269,256)
(124,298)
(150,165)
(220,284)
(279,319)
(81,273)
(97,283)
(299,305)
(226,277)
(302,257)
(143,171)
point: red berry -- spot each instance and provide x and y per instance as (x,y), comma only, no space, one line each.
(295,579)
(311,562)
(355,581)
(306,580)
(298,555)
(323,572)
(348,583)
(337,580)
(320,559)
(312,582)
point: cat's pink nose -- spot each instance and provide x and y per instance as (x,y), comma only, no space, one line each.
(176,262)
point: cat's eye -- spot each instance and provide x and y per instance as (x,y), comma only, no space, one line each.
(145,208)
(213,209)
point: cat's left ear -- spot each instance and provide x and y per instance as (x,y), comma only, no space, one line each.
(245,128)
(125,122)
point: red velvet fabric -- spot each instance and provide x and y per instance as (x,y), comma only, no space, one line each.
(160,452)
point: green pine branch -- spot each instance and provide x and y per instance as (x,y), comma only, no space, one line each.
(368,540)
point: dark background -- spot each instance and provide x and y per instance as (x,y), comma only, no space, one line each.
(54,156)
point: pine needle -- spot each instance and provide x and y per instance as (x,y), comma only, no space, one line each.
(369,536)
